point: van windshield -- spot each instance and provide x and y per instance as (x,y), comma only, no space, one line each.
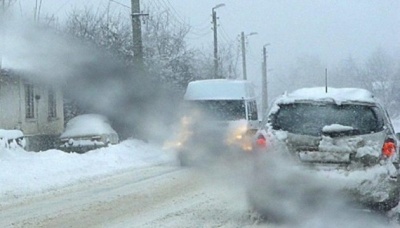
(220,109)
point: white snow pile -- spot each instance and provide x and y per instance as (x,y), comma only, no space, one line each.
(24,173)
(336,128)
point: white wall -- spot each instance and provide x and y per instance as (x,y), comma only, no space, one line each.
(12,111)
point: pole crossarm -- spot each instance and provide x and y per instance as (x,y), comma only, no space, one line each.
(139,14)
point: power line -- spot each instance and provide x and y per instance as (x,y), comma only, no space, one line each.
(172,7)
(198,36)
(203,22)
(225,36)
(121,4)
(163,5)
(200,30)
(61,7)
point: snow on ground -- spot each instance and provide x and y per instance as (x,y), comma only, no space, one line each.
(24,173)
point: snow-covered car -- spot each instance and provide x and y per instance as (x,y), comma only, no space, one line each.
(12,138)
(87,132)
(341,135)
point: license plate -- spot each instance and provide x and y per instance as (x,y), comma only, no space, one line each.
(331,157)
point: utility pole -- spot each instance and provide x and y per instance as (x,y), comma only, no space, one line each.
(242,38)
(214,21)
(137,34)
(326,80)
(243,42)
(2,32)
(264,81)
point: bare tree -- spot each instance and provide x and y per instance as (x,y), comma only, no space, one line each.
(347,74)
(381,77)
(308,72)
(166,54)
(110,33)
(6,4)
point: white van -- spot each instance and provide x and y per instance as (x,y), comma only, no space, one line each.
(219,114)
(226,100)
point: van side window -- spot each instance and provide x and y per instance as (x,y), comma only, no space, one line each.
(252,110)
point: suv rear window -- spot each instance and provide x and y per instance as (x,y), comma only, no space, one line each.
(309,119)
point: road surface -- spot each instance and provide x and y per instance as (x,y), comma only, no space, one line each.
(159,196)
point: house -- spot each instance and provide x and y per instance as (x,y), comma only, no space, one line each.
(35,109)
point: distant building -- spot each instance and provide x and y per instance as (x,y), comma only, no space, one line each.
(35,109)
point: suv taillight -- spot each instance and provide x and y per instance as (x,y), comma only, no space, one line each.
(261,141)
(388,148)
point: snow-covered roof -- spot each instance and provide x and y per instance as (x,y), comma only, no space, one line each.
(87,125)
(219,89)
(337,95)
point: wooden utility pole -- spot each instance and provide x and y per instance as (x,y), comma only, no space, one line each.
(214,21)
(264,81)
(137,34)
(243,42)
(2,31)
(326,80)
(242,38)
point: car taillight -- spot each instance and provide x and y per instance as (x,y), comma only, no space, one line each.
(388,148)
(261,141)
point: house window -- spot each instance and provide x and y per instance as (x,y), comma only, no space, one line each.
(52,104)
(29,101)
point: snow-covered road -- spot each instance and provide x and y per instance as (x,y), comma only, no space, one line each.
(132,184)
(158,196)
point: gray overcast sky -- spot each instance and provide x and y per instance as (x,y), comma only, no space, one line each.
(331,30)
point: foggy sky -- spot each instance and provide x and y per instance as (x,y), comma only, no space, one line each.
(330,30)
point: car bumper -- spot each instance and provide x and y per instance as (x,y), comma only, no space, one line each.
(374,187)
(80,149)
(379,183)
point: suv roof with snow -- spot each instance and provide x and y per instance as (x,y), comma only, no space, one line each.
(337,95)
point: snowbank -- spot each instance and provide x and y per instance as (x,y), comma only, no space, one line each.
(24,173)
